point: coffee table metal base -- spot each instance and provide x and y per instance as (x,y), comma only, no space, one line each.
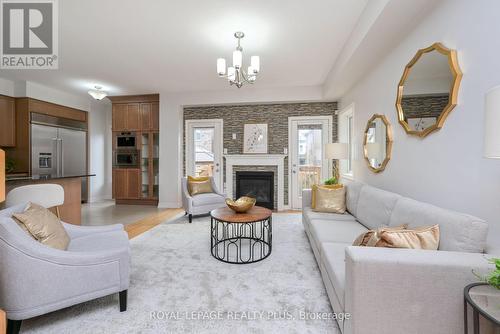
(241,243)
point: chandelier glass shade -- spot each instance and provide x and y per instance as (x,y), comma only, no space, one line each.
(235,74)
(97,93)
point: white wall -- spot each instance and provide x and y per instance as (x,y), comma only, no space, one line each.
(171,129)
(6,87)
(447,167)
(100,150)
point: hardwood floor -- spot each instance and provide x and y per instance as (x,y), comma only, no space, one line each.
(145,224)
(3,322)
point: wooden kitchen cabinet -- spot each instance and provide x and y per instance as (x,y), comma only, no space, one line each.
(146,116)
(133,117)
(119,117)
(139,115)
(150,116)
(8,121)
(126,183)
(126,117)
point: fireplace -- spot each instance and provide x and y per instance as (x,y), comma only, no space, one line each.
(259,185)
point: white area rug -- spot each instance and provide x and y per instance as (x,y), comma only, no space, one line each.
(178,287)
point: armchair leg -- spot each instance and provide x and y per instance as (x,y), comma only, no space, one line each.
(123,300)
(13,326)
(190,218)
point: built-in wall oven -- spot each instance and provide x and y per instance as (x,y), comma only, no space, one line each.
(126,158)
(126,140)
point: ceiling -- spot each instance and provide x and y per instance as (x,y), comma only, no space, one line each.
(135,47)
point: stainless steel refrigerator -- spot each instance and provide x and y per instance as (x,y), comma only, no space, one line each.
(59,148)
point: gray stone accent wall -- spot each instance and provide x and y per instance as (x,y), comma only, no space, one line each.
(417,106)
(274,115)
(259,169)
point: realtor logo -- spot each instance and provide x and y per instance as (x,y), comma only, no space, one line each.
(29,38)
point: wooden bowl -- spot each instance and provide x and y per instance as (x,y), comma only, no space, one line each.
(242,204)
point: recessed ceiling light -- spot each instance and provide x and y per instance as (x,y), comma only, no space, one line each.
(97,93)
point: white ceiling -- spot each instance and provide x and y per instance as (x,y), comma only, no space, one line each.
(133,47)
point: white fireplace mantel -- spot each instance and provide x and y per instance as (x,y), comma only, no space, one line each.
(277,160)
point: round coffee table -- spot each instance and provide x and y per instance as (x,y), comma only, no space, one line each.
(485,301)
(241,238)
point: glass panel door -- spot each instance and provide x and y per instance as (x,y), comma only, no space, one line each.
(204,149)
(310,152)
(145,165)
(156,164)
(308,166)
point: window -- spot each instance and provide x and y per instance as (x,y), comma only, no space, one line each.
(346,135)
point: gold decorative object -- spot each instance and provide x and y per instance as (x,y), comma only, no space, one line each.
(428,90)
(242,204)
(377,145)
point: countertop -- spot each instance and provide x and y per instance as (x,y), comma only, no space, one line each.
(44,177)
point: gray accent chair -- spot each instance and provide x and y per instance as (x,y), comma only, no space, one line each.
(389,290)
(201,204)
(36,279)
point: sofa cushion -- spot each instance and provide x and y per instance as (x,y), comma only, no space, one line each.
(375,207)
(99,242)
(208,198)
(345,231)
(326,215)
(353,189)
(458,231)
(333,258)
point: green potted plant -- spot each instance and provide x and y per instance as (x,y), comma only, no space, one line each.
(331,181)
(492,278)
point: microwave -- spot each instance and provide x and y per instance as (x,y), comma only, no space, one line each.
(126,158)
(126,140)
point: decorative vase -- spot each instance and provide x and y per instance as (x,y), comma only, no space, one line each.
(242,204)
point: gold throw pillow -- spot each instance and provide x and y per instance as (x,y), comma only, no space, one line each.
(329,199)
(44,226)
(363,238)
(426,237)
(326,186)
(199,185)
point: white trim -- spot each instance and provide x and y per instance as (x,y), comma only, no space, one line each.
(343,113)
(257,160)
(219,147)
(291,143)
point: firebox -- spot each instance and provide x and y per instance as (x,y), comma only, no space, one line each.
(259,185)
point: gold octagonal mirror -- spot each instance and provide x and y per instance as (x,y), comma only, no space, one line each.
(377,143)
(428,90)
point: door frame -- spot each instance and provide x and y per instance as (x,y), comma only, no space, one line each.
(218,141)
(292,142)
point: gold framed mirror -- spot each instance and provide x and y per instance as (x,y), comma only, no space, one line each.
(428,90)
(377,144)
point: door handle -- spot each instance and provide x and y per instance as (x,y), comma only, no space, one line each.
(55,144)
(62,157)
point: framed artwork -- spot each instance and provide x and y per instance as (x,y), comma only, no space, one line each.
(255,138)
(420,124)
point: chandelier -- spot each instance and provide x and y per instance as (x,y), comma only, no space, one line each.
(235,74)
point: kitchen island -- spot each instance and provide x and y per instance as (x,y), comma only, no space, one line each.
(71,211)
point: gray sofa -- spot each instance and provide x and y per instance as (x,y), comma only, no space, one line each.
(395,290)
(36,279)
